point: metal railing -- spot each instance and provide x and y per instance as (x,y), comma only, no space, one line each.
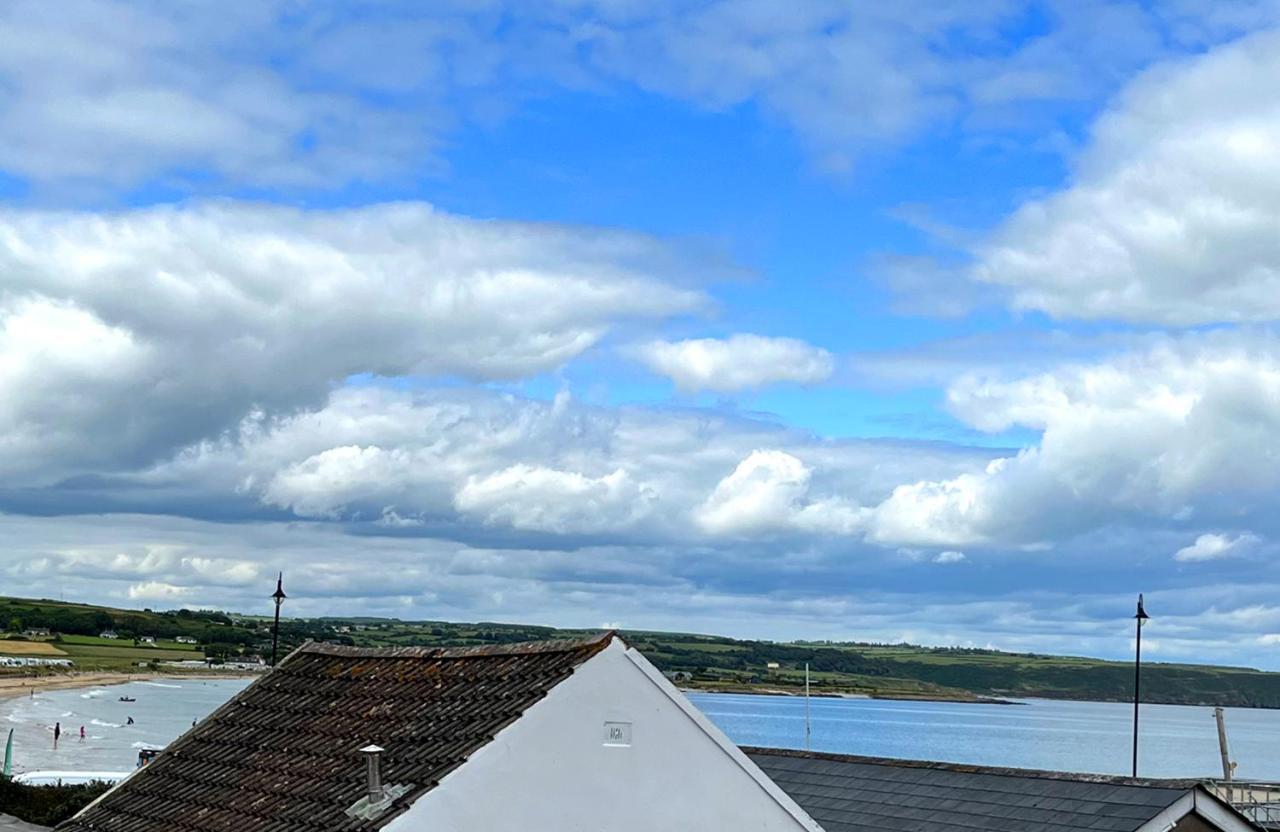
(1256,800)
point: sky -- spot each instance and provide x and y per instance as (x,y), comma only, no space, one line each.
(947,323)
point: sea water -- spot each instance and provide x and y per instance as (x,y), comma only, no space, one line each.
(1177,741)
(162,711)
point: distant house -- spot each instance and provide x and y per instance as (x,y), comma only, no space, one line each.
(108,634)
(33,661)
(146,639)
(772,666)
(187,640)
(843,792)
(541,737)
(36,632)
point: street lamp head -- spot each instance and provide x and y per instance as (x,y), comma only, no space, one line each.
(1141,615)
(279,595)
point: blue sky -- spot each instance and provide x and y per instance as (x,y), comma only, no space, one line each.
(945,323)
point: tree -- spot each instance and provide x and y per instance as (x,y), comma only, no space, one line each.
(15,624)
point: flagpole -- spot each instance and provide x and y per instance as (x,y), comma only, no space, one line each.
(807,730)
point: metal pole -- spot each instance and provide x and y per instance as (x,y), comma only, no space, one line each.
(1139,619)
(1222,744)
(1137,687)
(807,729)
(279,597)
(275,635)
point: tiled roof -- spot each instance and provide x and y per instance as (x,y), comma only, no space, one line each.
(859,794)
(282,755)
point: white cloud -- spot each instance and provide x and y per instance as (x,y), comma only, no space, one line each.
(739,362)
(1173,213)
(950,556)
(1213,546)
(769,491)
(323,484)
(847,76)
(157,591)
(1191,426)
(544,499)
(468,462)
(108,94)
(102,93)
(249,306)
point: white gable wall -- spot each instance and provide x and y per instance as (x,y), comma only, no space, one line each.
(562,767)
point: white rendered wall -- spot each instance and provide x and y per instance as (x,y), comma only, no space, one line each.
(552,770)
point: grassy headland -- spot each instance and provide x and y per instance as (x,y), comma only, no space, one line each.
(695,661)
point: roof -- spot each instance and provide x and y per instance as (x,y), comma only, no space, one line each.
(282,754)
(852,794)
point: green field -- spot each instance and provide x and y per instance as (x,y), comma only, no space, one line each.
(161,644)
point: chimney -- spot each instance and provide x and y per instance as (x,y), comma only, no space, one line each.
(373,760)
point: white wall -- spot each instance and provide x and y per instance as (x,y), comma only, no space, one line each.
(552,770)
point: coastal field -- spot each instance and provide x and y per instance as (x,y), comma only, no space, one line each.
(18,647)
(99,657)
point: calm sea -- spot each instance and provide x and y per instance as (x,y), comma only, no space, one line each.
(1177,741)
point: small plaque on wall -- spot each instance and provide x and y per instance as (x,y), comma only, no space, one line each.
(617,733)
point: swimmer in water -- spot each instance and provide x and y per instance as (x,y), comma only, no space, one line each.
(57,732)
(130,722)
(81,733)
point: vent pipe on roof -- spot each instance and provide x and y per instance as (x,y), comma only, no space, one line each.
(373,767)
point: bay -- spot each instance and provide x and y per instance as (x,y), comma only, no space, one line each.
(1177,741)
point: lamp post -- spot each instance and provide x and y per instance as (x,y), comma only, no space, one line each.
(279,597)
(1140,618)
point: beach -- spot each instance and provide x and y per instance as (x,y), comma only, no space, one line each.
(11,686)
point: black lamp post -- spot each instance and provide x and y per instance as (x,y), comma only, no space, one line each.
(1140,618)
(279,597)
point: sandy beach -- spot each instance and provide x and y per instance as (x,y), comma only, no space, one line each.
(11,686)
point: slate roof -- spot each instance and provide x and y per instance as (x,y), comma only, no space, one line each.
(858,794)
(281,756)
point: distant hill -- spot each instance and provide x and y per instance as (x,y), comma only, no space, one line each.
(695,661)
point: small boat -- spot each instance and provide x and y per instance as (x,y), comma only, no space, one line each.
(127,699)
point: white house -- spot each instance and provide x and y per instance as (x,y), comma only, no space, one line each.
(545,737)
(187,640)
(109,634)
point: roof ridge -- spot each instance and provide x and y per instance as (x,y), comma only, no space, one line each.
(971,768)
(587,644)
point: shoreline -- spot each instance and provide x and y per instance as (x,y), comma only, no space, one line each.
(15,686)
(906,697)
